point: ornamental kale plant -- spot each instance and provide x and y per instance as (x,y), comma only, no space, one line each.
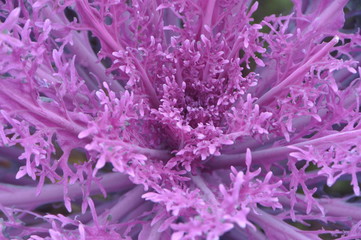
(179,119)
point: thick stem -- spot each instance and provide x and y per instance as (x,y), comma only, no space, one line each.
(85,55)
(154,234)
(135,214)
(107,38)
(276,227)
(332,207)
(100,29)
(329,13)
(43,113)
(138,211)
(155,153)
(198,180)
(248,233)
(207,19)
(92,63)
(127,203)
(270,155)
(16,196)
(297,74)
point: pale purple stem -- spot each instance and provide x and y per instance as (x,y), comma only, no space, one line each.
(270,155)
(42,73)
(209,195)
(136,213)
(127,203)
(207,19)
(155,153)
(153,233)
(248,233)
(353,237)
(90,83)
(279,228)
(297,74)
(326,15)
(93,65)
(263,156)
(17,196)
(332,207)
(85,54)
(169,18)
(44,113)
(115,46)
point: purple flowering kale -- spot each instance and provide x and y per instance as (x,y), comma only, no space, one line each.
(179,119)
